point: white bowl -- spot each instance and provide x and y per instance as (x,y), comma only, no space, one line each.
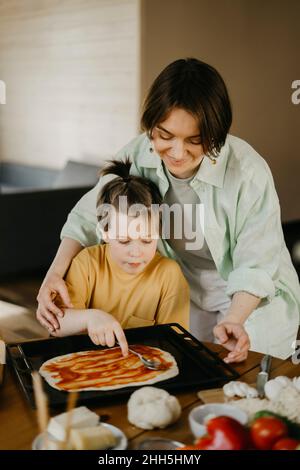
(200,414)
(53,444)
(159,443)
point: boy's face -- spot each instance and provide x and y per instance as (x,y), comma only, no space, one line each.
(132,242)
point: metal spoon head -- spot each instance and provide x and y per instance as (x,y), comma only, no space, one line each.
(151,366)
(149,363)
(154,365)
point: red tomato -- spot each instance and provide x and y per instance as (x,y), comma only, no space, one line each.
(265,431)
(224,433)
(287,443)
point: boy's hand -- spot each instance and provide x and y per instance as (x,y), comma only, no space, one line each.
(47,310)
(104,329)
(234,338)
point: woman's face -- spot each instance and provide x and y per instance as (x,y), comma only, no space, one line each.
(178,142)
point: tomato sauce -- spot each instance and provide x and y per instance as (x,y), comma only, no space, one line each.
(107,367)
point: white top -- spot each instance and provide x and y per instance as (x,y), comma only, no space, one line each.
(207,288)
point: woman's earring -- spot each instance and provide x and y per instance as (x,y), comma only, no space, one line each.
(150,138)
(213,161)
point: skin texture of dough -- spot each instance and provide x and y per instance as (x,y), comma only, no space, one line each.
(106,369)
(151,407)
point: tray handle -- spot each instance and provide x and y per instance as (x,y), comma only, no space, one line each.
(200,346)
(186,335)
(21,365)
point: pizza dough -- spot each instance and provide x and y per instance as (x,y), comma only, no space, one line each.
(107,369)
(153,407)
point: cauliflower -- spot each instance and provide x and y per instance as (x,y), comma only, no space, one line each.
(240,389)
(274,386)
(151,407)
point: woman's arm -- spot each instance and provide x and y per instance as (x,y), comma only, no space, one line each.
(67,250)
(257,245)
(257,242)
(230,331)
(102,327)
(54,284)
(242,305)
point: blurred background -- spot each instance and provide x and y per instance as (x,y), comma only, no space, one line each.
(76,73)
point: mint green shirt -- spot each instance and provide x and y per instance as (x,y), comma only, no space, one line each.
(242,230)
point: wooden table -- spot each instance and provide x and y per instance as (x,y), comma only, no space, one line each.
(18,425)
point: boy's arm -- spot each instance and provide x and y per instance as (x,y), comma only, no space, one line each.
(102,327)
(174,306)
(74,321)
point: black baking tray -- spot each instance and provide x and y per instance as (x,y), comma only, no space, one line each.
(198,365)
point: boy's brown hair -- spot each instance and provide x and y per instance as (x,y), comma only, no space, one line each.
(136,189)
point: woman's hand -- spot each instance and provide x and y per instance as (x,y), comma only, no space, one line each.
(104,329)
(234,338)
(47,311)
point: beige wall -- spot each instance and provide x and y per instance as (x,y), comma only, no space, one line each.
(255,44)
(71,70)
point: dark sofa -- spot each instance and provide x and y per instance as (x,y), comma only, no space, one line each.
(291,231)
(34,204)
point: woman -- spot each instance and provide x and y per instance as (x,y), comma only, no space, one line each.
(242,281)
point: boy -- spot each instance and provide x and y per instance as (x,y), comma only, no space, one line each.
(125,282)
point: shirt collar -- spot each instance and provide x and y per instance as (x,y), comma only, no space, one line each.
(208,173)
(214,174)
(149,158)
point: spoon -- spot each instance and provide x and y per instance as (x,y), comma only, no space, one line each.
(149,363)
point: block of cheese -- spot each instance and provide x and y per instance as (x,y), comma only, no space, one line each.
(95,438)
(50,444)
(2,351)
(82,417)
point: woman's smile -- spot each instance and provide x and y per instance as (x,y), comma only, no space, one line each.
(176,140)
(174,161)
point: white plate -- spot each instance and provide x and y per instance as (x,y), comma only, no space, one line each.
(122,442)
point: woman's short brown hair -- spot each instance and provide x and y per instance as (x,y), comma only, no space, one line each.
(197,88)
